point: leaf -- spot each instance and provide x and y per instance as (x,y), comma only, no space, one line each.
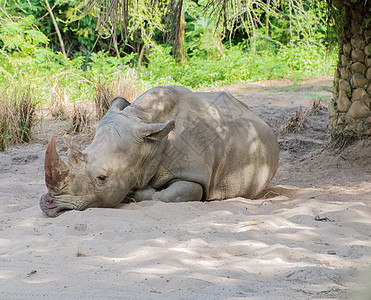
(28,21)
(36,36)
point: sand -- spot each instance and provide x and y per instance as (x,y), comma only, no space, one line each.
(308,236)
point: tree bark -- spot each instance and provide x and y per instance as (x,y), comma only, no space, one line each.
(350,114)
(179,53)
(141,55)
(114,36)
(56,28)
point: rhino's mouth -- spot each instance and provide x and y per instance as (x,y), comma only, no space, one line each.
(51,206)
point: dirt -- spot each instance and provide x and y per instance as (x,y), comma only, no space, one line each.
(307,236)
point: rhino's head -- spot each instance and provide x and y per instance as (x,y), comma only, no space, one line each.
(123,156)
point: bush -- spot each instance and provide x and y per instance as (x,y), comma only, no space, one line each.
(303,60)
(17,116)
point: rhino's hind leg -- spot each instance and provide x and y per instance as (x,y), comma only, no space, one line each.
(179,191)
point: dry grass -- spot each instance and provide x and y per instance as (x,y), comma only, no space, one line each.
(17,116)
(123,85)
(81,117)
(58,108)
(317,107)
(79,253)
(18,107)
(103,98)
(296,123)
(340,141)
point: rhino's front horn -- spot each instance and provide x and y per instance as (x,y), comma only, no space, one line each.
(55,169)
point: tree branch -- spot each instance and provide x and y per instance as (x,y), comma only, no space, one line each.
(56,28)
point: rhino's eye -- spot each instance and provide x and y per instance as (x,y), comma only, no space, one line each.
(102,178)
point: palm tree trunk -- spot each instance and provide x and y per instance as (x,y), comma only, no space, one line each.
(350,115)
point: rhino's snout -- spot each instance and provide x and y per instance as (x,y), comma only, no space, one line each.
(50,207)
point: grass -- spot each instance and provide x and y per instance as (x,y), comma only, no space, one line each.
(296,123)
(317,106)
(240,66)
(103,96)
(58,107)
(79,253)
(58,81)
(123,85)
(80,119)
(313,95)
(17,116)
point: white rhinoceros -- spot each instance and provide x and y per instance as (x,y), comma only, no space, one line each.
(170,144)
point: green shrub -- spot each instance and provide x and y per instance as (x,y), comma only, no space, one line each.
(239,66)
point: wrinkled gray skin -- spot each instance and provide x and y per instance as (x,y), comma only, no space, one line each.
(170,145)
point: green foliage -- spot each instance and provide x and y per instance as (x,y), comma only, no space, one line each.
(276,46)
(20,35)
(293,61)
(298,20)
(202,40)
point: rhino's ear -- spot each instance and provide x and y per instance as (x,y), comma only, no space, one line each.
(119,104)
(158,131)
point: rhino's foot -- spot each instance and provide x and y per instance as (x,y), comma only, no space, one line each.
(180,191)
(146,193)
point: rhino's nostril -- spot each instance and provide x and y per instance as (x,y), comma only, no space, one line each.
(49,206)
(47,201)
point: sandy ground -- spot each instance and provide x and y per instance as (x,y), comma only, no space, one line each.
(307,237)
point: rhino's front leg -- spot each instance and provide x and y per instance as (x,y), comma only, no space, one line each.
(142,194)
(179,191)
